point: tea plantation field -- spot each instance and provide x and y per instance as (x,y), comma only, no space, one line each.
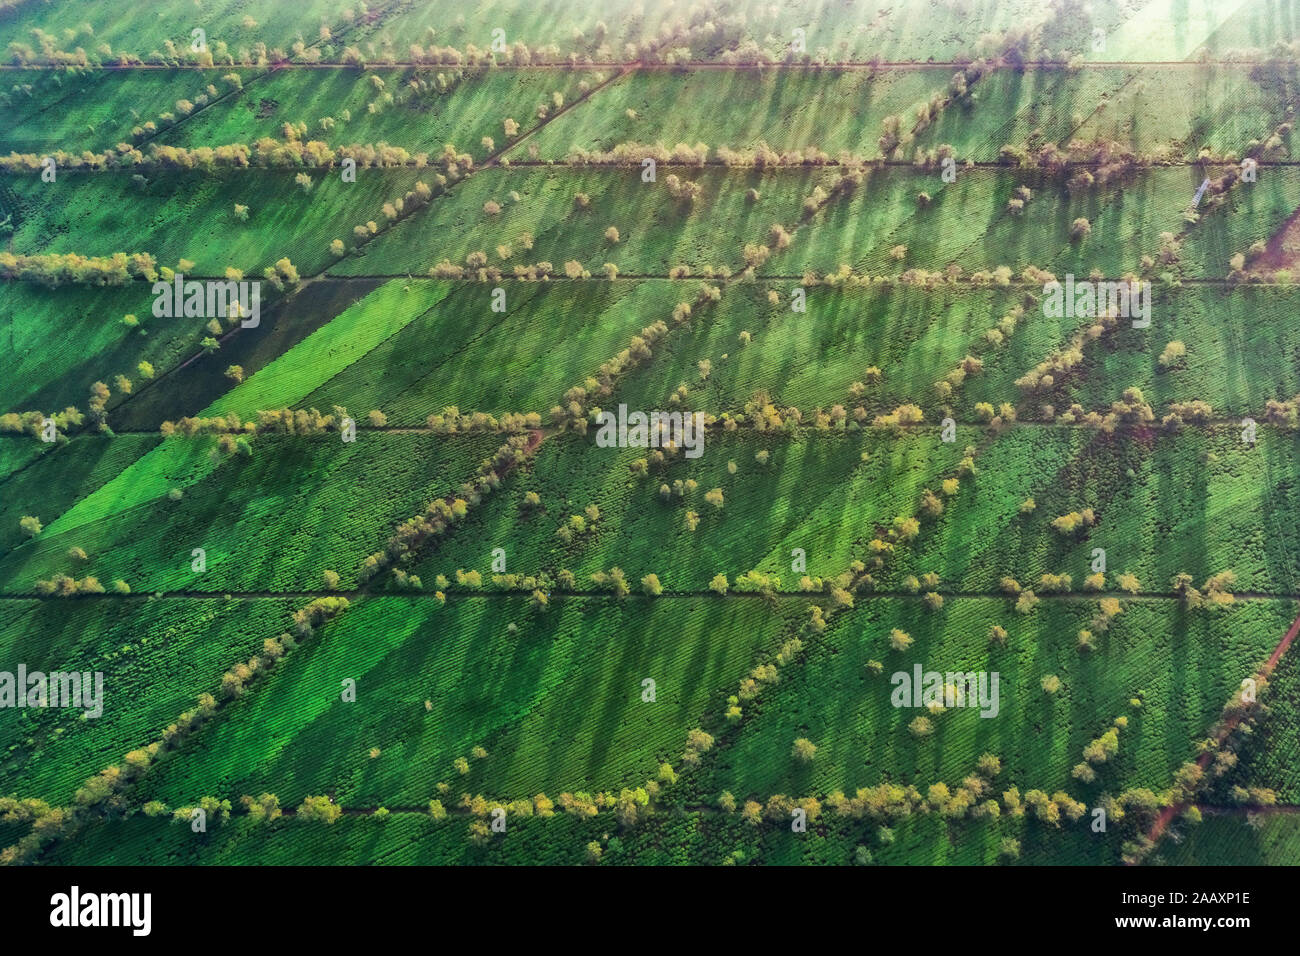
(710,433)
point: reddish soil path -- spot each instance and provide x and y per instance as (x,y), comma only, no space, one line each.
(1168,813)
(1282,249)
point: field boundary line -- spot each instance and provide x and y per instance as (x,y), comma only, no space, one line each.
(635,596)
(873,65)
(967,165)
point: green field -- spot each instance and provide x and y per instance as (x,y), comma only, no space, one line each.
(646,651)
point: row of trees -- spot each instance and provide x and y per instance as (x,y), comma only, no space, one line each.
(265,152)
(105,790)
(54,269)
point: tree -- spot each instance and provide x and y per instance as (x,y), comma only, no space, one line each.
(697,743)
(1173,353)
(804,750)
(235,373)
(1068,524)
(287,271)
(906,528)
(651,586)
(30,526)
(319,809)
(263,809)
(719,584)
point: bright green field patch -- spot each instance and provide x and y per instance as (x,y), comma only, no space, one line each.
(181,464)
(549,338)
(275,521)
(67,474)
(156,658)
(346,339)
(194,384)
(525,695)
(174,464)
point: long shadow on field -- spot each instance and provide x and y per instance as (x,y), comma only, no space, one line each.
(58,480)
(189,390)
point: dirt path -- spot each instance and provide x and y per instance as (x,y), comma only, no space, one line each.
(1168,813)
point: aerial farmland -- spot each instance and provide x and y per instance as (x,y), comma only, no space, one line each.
(694,433)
